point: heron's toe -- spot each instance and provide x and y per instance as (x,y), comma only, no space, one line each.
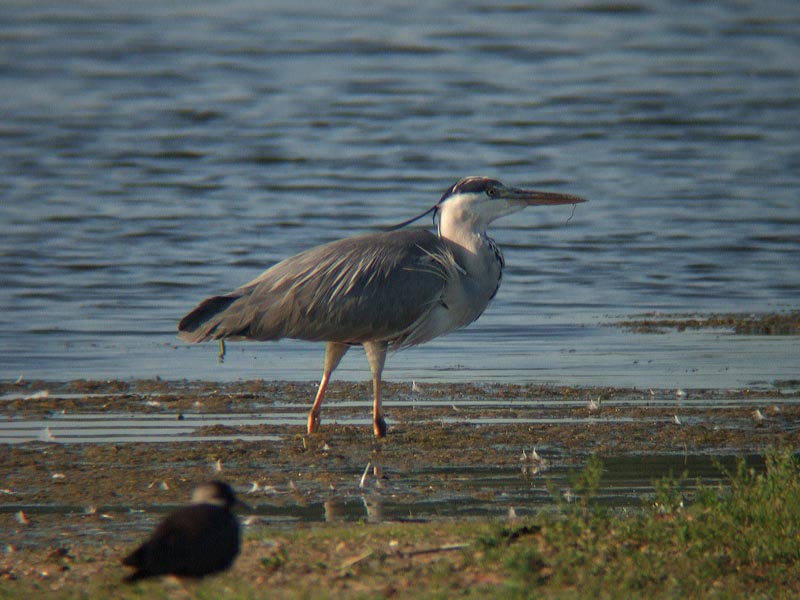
(313,422)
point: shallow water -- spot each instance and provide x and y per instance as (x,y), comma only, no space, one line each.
(110,427)
(152,155)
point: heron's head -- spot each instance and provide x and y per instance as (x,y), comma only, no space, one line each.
(475,202)
(480,200)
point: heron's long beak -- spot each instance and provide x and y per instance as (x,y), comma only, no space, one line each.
(242,506)
(534,197)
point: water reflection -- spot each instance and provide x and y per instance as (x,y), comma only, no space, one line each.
(628,482)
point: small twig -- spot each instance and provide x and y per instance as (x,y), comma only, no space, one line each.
(411,553)
(357,559)
(445,548)
(363,481)
(572,214)
(221,355)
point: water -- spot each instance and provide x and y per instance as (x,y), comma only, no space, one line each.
(111,427)
(153,154)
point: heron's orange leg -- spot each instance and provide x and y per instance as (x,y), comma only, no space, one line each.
(376,355)
(378,422)
(333,354)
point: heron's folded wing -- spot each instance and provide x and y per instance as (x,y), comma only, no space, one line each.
(365,288)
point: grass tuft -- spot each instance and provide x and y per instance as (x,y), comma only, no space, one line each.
(742,540)
(738,540)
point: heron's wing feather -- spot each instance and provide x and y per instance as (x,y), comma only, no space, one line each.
(359,289)
(372,287)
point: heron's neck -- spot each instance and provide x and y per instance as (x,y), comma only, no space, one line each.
(462,228)
(469,238)
(476,251)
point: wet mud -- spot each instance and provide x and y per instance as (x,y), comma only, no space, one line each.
(452,450)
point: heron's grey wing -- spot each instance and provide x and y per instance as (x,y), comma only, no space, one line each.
(379,286)
(366,288)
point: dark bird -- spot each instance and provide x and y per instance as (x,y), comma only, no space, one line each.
(194,541)
(392,289)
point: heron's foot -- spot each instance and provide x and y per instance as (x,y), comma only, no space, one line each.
(379,427)
(313,422)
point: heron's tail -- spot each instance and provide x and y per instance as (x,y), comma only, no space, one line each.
(200,324)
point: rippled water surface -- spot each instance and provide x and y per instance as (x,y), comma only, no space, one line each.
(152,154)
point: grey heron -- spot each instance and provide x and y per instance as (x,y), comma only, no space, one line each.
(391,289)
(194,541)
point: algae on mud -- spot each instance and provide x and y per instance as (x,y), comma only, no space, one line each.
(787,323)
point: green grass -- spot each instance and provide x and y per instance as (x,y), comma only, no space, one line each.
(739,540)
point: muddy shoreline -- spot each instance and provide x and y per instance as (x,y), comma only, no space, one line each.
(447,444)
(69,509)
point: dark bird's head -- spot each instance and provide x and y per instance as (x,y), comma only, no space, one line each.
(217,493)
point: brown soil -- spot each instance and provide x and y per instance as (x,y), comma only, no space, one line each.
(95,486)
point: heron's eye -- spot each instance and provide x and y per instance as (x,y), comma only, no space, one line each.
(491,192)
